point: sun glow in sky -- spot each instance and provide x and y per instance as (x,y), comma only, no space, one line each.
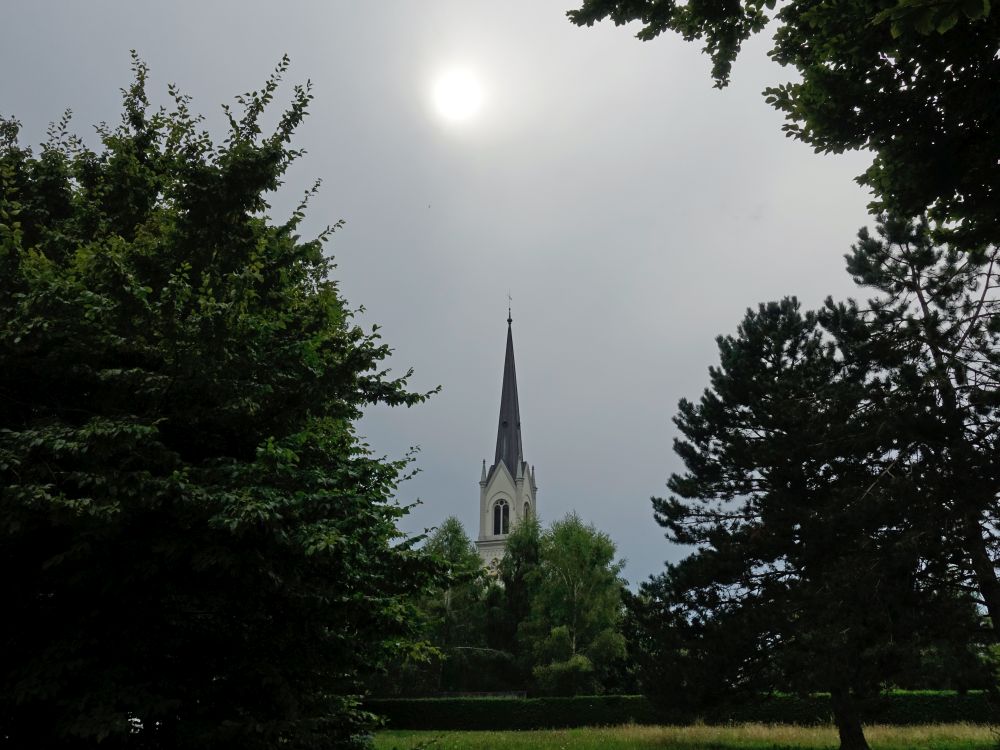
(458,95)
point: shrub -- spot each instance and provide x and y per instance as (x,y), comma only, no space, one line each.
(573,676)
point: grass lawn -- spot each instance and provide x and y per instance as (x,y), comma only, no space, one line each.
(700,737)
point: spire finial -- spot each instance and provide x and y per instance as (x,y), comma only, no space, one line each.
(509,300)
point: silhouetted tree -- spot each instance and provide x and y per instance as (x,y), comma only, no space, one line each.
(808,569)
(932,329)
(912,82)
(199,552)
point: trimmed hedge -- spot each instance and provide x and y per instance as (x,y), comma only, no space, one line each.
(926,707)
(513,713)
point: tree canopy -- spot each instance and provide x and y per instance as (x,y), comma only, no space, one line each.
(574,623)
(839,489)
(807,574)
(200,551)
(550,622)
(455,610)
(912,82)
(933,329)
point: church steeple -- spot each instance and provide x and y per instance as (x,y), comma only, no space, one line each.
(505,497)
(509,428)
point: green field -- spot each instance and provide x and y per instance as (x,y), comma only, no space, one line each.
(698,737)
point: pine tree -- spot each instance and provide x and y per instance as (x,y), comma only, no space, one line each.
(934,330)
(807,574)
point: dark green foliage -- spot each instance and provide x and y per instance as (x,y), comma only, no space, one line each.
(812,565)
(934,331)
(952,667)
(199,551)
(503,662)
(549,625)
(478,669)
(514,713)
(840,490)
(913,82)
(508,713)
(456,611)
(519,577)
(569,675)
(454,619)
(607,710)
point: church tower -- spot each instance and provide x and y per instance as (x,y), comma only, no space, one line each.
(507,492)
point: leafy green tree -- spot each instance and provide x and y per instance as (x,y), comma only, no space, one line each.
(450,543)
(518,579)
(458,615)
(912,82)
(200,552)
(457,610)
(461,621)
(810,569)
(551,618)
(576,609)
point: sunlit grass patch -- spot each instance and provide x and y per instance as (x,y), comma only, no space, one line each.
(698,737)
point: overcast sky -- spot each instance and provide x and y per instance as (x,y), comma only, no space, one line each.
(631,210)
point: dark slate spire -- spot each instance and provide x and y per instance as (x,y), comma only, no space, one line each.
(509,429)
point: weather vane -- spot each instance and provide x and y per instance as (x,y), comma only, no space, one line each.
(509,300)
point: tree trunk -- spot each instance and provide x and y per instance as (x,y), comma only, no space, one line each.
(848,720)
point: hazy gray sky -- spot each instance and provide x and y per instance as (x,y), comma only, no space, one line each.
(633,212)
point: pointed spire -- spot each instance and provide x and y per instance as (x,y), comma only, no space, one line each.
(482,479)
(509,429)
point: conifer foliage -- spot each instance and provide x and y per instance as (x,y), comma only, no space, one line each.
(198,549)
(934,328)
(839,488)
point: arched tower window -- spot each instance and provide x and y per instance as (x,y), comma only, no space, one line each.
(527,511)
(501,518)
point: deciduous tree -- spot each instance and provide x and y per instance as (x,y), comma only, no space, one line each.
(456,611)
(575,615)
(199,552)
(519,580)
(912,82)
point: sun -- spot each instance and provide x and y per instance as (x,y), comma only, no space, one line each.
(458,95)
